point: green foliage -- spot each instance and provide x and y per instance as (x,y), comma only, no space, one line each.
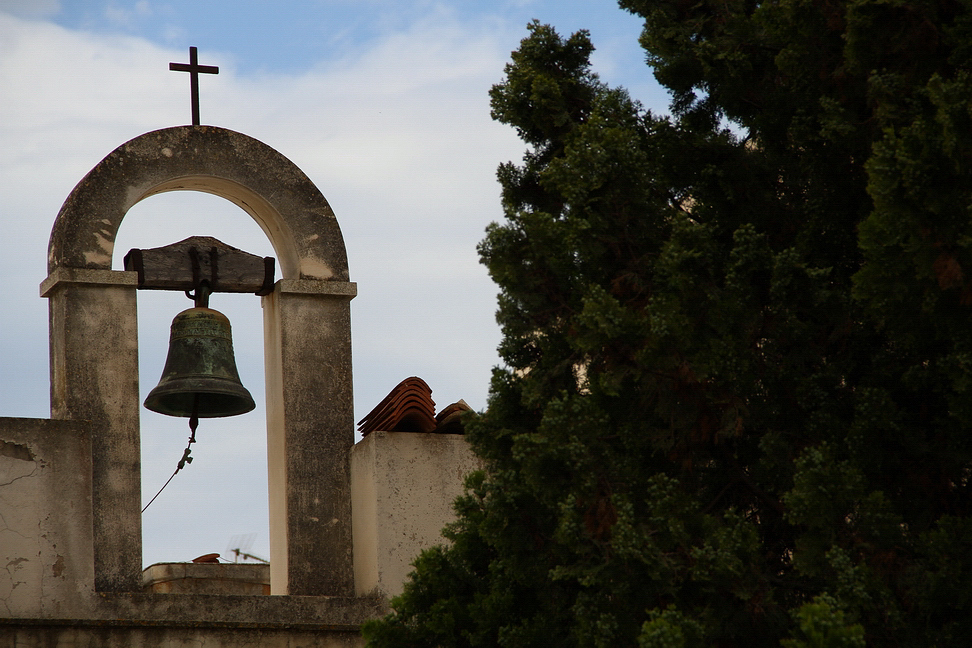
(735,409)
(669,629)
(821,624)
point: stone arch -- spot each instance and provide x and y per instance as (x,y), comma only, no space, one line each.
(307,349)
(288,207)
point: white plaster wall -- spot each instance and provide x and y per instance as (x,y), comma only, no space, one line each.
(403,485)
(46,547)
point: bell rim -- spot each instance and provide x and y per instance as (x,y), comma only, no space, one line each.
(239,395)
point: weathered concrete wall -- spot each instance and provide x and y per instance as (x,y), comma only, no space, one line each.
(47,593)
(154,637)
(179,620)
(234,579)
(402,488)
(46,556)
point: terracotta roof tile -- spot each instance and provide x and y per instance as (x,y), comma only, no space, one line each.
(449,420)
(409,408)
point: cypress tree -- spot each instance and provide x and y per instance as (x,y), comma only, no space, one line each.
(736,406)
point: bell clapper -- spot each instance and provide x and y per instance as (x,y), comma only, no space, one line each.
(193,424)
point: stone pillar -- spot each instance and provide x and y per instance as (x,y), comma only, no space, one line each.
(310,429)
(94,378)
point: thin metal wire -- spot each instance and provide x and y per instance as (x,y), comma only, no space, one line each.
(161,489)
(186,459)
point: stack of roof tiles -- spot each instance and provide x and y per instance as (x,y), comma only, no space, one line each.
(409,408)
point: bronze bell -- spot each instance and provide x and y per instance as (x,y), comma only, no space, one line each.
(200,377)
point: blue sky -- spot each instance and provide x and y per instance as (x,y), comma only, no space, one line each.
(382,104)
(270,37)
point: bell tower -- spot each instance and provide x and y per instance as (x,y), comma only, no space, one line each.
(94,348)
(345,521)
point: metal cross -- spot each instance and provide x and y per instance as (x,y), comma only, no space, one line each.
(194,70)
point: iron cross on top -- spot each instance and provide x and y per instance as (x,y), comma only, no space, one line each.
(194,69)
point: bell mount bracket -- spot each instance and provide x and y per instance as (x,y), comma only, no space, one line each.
(200,265)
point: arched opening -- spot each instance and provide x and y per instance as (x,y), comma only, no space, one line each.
(218,502)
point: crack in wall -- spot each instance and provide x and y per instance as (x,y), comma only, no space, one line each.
(19,477)
(21,535)
(11,567)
